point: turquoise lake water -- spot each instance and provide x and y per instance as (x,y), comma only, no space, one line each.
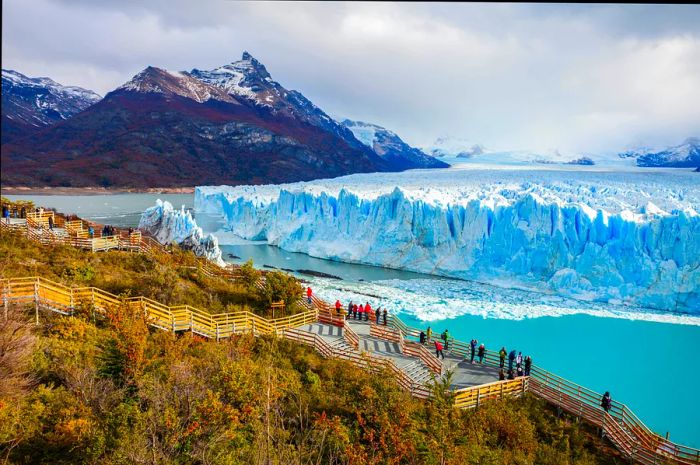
(650,366)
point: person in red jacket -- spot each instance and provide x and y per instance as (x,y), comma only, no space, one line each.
(438,350)
(361,311)
(368,309)
(338,306)
(308,293)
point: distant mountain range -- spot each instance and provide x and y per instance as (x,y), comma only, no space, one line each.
(230,125)
(685,155)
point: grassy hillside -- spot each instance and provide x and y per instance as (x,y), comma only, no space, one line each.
(113,391)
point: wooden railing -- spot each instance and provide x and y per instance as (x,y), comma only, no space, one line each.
(634,439)
(63,299)
(351,336)
(415,349)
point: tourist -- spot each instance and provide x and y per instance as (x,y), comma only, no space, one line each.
(23,212)
(528,365)
(519,360)
(520,371)
(51,223)
(472,344)
(502,356)
(482,352)
(309,292)
(510,374)
(6,214)
(501,374)
(360,311)
(349,309)
(368,309)
(429,334)
(354,311)
(422,337)
(378,314)
(446,337)
(606,402)
(338,307)
(511,359)
(384,315)
(438,350)
(91,232)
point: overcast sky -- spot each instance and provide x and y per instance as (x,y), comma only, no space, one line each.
(578,78)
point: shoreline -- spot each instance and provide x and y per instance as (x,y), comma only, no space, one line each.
(48,190)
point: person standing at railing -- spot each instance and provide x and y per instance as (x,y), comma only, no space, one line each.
(91,232)
(429,334)
(519,360)
(422,337)
(338,306)
(368,309)
(502,357)
(354,311)
(51,223)
(309,292)
(438,350)
(384,315)
(482,352)
(511,359)
(360,311)
(501,374)
(606,402)
(378,314)
(472,345)
(6,214)
(349,309)
(528,365)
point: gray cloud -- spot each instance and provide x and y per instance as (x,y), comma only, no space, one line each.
(572,77)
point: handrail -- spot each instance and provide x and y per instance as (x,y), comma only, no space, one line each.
(649,447)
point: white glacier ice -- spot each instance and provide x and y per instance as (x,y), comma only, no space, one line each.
(625,238)
(168,225)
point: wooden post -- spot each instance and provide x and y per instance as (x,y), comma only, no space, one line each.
(478,397)
(5,298)
(172,319)
(191,323)
(36,301)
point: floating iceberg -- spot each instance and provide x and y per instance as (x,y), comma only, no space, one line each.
(168,225)
(625,239)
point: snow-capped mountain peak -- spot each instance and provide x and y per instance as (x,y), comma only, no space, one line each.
(41,101)
(390,146)
(157,80)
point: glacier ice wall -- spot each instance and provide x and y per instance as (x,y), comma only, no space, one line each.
(649,257)
(168,225)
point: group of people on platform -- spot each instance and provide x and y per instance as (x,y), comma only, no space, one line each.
(358,312)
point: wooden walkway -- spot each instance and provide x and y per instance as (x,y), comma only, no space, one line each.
(393,348)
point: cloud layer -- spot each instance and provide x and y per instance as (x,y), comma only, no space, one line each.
(573,77)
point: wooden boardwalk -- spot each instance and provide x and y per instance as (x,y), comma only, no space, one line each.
(391,348)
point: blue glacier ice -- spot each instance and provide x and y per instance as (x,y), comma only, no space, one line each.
(626,239)
(168,225)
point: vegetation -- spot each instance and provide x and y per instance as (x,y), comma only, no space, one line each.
(76,390)
(172,279)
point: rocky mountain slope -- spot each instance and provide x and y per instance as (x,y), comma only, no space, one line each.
(166,128)
(391,147)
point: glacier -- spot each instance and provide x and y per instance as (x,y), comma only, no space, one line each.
(622,238)
(168,225)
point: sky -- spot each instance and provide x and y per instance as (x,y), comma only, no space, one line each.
(574,78)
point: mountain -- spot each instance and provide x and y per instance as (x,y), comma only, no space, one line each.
(249,81)
(38,102)
(390,147)
(454,147)
(169,129)
(685,155)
